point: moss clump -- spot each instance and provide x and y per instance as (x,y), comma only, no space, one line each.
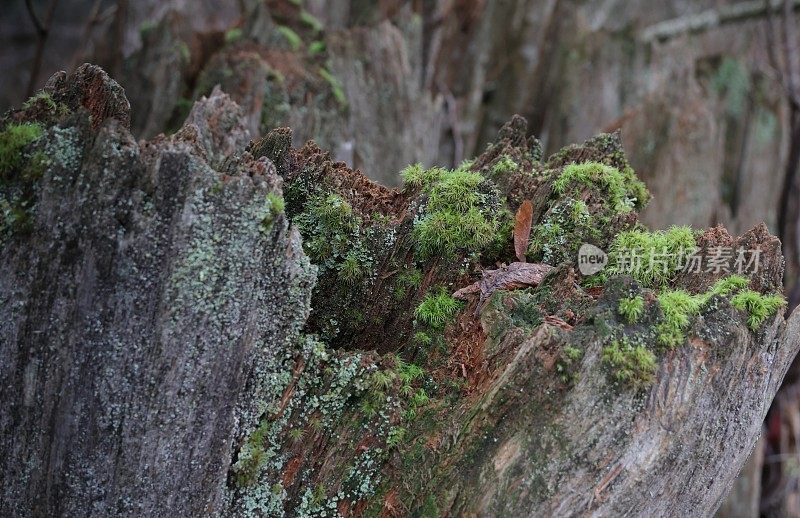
(233,35)
(437,309)
(567,361)
(652,258)
(251,456)
(505,165)
(20,167)
(728,285)
(13,141)
(274,207)
(336,86)
(631,308)
(625,191)
(677,306)
(757,305)
(591,196)
(395,436)
(407,279)
(462,211)
(630,364)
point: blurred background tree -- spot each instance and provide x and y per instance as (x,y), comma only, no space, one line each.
(705,93)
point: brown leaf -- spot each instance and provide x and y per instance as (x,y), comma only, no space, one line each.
(522,229)
(513,276)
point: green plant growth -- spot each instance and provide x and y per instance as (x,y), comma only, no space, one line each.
(407,279)
(251,456)
(462,211)
(567,359)
(631,308)
(625,192)
(677,307)
(311,21)
(505,165)
(292,38)
(437,309)
(395,436)
(332,237)
(652,258)
(233,35)
(630,364)
(13,141)
(758,307)
(336,86)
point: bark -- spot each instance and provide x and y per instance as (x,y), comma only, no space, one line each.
(141,313)
(160,355)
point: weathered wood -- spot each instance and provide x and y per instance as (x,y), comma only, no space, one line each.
(158,357)
(141,315)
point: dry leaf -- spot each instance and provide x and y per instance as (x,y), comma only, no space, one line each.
(513,276)
(522,229)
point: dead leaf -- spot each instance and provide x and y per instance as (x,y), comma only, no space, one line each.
(522,229)
(513,276)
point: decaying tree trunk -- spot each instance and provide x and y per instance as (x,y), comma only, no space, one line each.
(169,349)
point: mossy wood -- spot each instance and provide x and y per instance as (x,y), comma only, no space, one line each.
(203,325)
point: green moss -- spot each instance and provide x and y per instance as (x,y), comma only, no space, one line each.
(652,258)
(41,97)
(504,166)
(422,339)
(327,224)
(437,309)
(407,279)
(728,285)
(311,21)
(408,372)
(567,361)
(429,508)
(316,47)
(758,306)
(233,35)
(336,86)
(677,307)
(630,364)
(395,436)
(631,308)
(252,456)
(273,208)
(292,38)
(462,213)
(13,141)
(623,191)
